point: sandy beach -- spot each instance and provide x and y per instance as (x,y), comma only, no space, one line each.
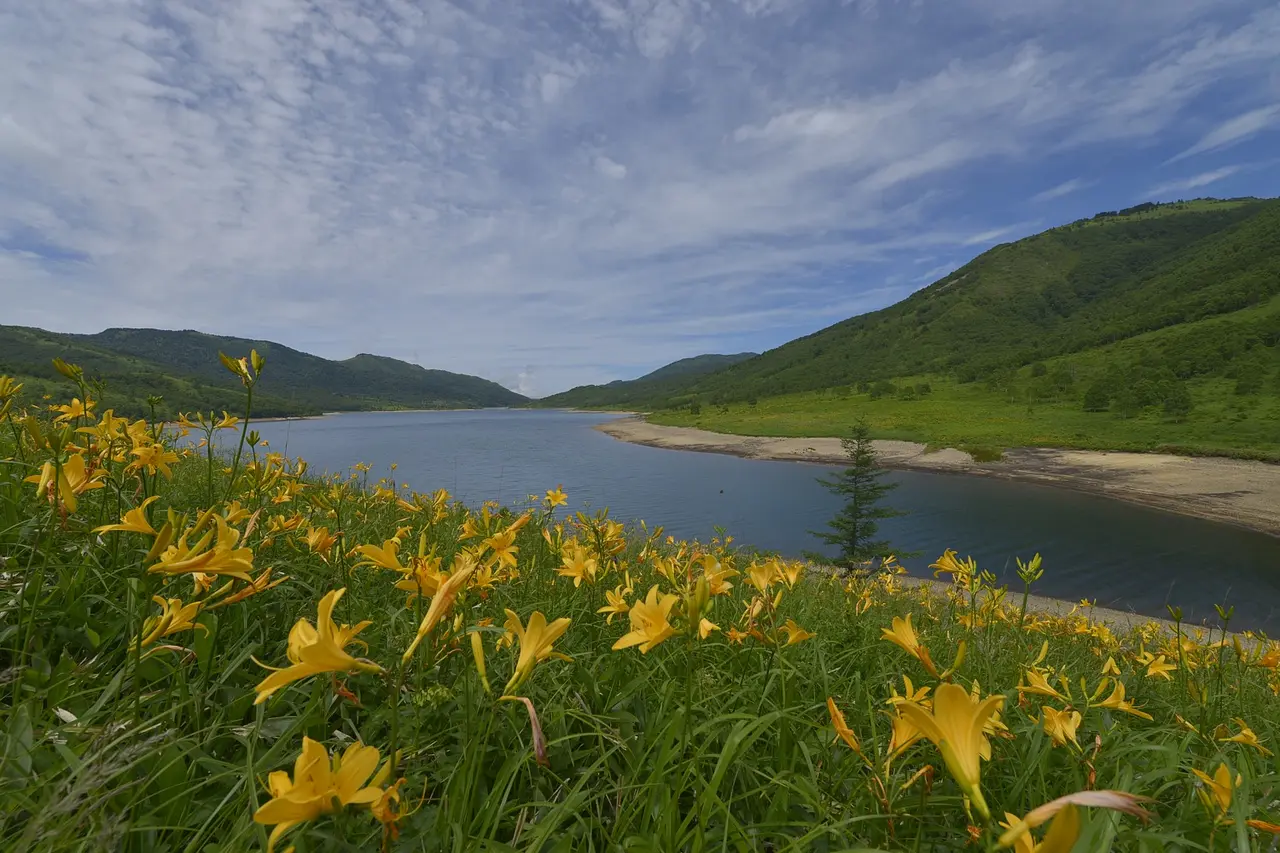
(1239,492)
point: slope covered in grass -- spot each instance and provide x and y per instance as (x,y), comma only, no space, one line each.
(1144,315)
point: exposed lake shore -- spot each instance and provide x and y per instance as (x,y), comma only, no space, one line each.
(1240,492)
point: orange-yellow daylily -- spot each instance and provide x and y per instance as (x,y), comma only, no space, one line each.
(320,541)
(1064,814)
(1159,668)
(796,634)
(74,409)
(955,725)
(843,732)
(152,458)
(1061,725)
(616,603)
(261,583)
(536,640)
(316,649)
(1247,737)
(555,497)
(134,521)
(1037,683)
(173,618)
(904,636)
(578,564)
(220,557)
(650,621)
(503,547)
(319,787)
(423,577)
(384,557)
(441,603)
(1217,790)
(73,477)
(1117,702)
(706,627)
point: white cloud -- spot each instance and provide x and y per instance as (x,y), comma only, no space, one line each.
(1063,189)
(1204,179)
(1233,131)
(537,190)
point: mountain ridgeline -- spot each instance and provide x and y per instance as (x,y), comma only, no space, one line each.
(183,368)
(666,379)
(1120,309)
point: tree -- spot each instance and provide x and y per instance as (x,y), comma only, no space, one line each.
(854,527)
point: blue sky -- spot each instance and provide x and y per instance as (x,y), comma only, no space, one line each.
(555,193)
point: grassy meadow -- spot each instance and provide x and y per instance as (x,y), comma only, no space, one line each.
(209,654)
(975,416)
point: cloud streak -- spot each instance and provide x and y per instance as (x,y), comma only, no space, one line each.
(553,193)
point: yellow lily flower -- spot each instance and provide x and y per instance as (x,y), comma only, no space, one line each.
(223,558)
(955,725)
(153,457)
(650,623)
(718,581)
(796,634)
(173,618)
(1117,702)
(536,641)
(1110,667)
(762,575)
(74,409)
(706,627)
(843,732)
(1037,683)
(1247,737)
(503,546)
(441,603)
(320,541)
(318,787)
(1217,790)
(904,636)
(73,478)
(617,604)
(1159,668)
(134,521)
(577,564)
(316,649)
(904,734)
(261,583)
(384,557)
(555,497)
(1065,829)
(1061,725)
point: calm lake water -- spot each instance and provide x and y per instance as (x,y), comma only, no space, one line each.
(1128,557)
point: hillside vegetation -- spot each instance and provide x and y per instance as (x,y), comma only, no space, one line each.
(1141,328)
(664,380)
(182,368)
(220,655)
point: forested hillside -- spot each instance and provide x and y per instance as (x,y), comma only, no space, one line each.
(183,368)
(1169,313)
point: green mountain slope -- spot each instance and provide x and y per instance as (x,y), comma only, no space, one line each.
(183,367)
(696,366)
(1140,315)
(668,379)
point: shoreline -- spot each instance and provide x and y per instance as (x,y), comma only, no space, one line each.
(1242,493)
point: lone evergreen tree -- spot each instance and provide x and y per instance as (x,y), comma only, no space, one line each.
(855,526)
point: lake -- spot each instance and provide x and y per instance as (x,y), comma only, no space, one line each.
(1125,556)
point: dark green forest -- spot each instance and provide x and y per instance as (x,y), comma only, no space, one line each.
(183,368)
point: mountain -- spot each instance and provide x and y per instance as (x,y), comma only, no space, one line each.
(665,379)
(1094,283)
(183,367)
(696,366)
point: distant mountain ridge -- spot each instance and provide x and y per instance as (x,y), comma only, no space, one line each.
(652,382)
(183,367)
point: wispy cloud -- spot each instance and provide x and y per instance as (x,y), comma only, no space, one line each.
(1063,189)
(1233,131)
(1204,179)
(536,192)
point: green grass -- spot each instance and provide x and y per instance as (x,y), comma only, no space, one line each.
(696,745)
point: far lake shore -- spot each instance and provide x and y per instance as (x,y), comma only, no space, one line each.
(1239,492)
